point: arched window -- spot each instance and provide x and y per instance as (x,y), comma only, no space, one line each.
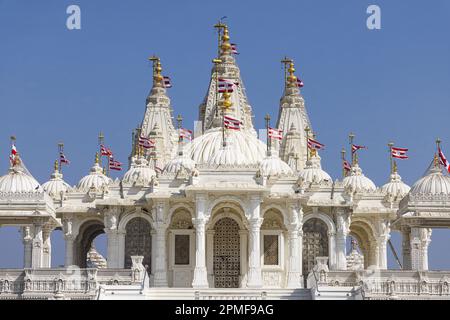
(138,241)
(315,243)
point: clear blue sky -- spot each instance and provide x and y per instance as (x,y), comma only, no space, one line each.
(388,84)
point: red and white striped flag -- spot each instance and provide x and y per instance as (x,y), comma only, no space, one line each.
(299,83)
(226,85)
(63,159)
(347,166)
(444,160)
(275,133)
(185,133)
(114,164)
(313,144)
(146,142)
(399,153)
(231,123)
(356,148)
(12,156)
(167,82)
(234,48)
(104,151)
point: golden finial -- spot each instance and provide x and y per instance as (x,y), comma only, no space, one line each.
(291,79)
(394,167)
(157,69)
(313,152)
(436,160)
(97,158)
(226,102)
(225,46)
(56,166)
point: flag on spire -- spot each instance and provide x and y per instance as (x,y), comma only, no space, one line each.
(12,157)
(63,159)
(226,85)
(275,133)
(185,133)
(356,148)
(444,160)
(114,164)
(399,153)
(313,144)
(167,82)
(146,142)
(104,151)
(299,83)
(231,123)
(234,48)
(347,166)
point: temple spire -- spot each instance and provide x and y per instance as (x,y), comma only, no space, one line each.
(157,69)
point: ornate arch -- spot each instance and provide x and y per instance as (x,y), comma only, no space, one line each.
(281,210)
(87,230)
(177,207)
(231,201)
(321,216)
(133,214)
(227,214)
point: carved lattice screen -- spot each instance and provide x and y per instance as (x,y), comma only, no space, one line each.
(181,249)
(138,241)
(271,250)
(315,243)
(226,254)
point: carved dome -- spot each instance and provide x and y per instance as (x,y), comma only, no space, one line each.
(357,181)
(313,171)
(434,183)
(17,180)
(242,148)
(94,180)
(139,173)
(56,185)
(272,165)
(182,161)
(395,187)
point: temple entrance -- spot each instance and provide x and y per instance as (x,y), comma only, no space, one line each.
(315,243)
(138,242)
(226,263)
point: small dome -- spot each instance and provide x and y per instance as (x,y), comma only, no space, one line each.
(313,171)
(357,181)
(182,161)
(56,185)
(395,187)
(434,183)
(17,180)
(242,148)
(272,165)
(94,180)
(139,173)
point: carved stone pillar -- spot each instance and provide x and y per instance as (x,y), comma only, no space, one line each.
(210,255)
(420,239)
(243,248)
(294,278)
(406,247)
(37,247)
(47,248)
(384,235)
(332,250)
(27,238)
(160,273)
(200,273)
(375,254)
(112,234)
(343,228)
(69,238)
(254,261)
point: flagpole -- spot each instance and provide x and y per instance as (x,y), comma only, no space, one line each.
(343,163)
(216,63)
(12,142)
(269,141)
(438,146)
(307,130)
(391,159)
(351,136)
(61,150)
(101,139)
(285,61)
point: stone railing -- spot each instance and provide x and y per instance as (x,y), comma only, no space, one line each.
(387,284)
(61,283)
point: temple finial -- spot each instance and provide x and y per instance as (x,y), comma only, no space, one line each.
(97,158)
(157,69)
(225,46)
(56,166)
(291,79)
(436,161)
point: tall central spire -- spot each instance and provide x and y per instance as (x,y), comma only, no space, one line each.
(225,69)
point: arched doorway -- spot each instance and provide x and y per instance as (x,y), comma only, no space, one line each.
(89,231)
(315,243)
(138,241)
(226,261)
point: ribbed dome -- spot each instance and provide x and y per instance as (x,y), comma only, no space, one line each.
(434,183)
(18,181)
(242,148)
(357,181)
(273,166)
(395,187)
(139,173)
(182,161)
(95,179)
(313,171)
(56,185)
